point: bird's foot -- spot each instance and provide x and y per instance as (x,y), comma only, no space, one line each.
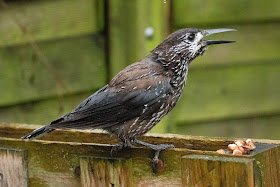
(158,165)
(120,146)
(157,148)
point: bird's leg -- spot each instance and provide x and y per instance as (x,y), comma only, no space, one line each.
(124,144)
(157,148)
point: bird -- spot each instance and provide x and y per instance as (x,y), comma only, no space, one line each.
(140,95)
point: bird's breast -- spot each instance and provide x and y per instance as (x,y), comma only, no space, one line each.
(178,80)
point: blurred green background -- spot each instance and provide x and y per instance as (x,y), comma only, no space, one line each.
(55,53)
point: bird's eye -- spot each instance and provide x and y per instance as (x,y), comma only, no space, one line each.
(191,37)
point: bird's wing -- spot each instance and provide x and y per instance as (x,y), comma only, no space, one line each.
(134,89)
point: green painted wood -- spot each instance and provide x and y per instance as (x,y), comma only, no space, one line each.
(251,126)
(253,45)
(199,12)
(79,62)
(44,20)
(228,92)
(42,111)
(127,23)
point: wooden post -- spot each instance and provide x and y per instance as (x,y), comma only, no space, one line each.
(13,168)
(203,170)
(129,36)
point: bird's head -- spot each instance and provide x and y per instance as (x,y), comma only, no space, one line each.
(186,44)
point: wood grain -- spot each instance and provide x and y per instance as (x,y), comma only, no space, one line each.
(106,172)
(200,170)
(13,167)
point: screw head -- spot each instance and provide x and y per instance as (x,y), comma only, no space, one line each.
(149,32)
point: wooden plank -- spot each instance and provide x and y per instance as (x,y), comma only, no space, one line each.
(79,62)
(44,20)
(13,167)
(127,40)
(229,92)
(207,12)
(258,126)
(106,172)
(253,45)
(201,170)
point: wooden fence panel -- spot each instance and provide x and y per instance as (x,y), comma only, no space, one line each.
(229,91)
(217,12)
(48,20)
(79,63)
(253,46)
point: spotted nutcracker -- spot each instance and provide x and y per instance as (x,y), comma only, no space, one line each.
(139,96)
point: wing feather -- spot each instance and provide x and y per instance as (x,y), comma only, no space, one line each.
(119,101)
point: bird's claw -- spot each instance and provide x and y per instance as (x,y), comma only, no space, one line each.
(165,146)
(158,164)
(160,148)
(116,148)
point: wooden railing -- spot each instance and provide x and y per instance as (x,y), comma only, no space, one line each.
(83,158)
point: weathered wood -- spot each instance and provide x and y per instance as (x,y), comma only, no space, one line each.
(106,172)
(268,167)
(80,62)
(201,12)
(13,167)
(201,170)
(50,20)
(57,162)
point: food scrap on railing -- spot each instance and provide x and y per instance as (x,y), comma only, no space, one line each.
(239,147)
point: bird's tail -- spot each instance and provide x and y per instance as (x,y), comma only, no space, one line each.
(37,133)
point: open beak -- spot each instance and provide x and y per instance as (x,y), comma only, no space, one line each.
(214,31)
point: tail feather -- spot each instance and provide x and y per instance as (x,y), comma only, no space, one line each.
(37,133)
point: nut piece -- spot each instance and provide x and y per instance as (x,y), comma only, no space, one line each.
(240,148)
(250,144)
(239,142)
(221,151)
(232,147)
(237,152)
